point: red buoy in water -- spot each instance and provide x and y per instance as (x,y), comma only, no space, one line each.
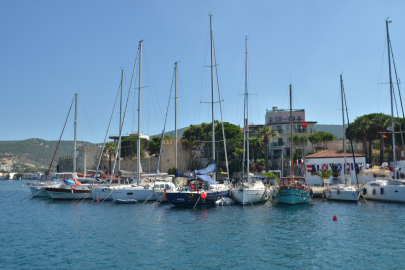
(97,200)
(203,195)
(334,218)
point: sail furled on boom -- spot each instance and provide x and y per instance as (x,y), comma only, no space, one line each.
(211,168)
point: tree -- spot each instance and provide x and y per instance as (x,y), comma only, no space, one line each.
(110,148)
(381,122)
(321,136)
(264,136)
(156,142)
(323,174)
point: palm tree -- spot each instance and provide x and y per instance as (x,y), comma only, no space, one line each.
(363,127)
(110,148)
(381,122)
(264,136)
(323,175)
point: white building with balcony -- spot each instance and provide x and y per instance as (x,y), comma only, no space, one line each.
(279,119)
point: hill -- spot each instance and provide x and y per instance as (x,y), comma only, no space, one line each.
(334,129)
(34,153)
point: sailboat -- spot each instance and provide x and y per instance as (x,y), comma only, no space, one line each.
(250,190)
(343,192)
(292,190)
(68,189)
(201,189)
(386,188)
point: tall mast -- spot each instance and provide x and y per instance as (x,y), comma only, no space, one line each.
(175,116)
(120,129)
(291,134)
(212,94)
(247,111)
(344,129)
(391,94)
(138,147)
(74,144)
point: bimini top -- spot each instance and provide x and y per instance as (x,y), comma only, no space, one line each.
(376,171)
(207,179)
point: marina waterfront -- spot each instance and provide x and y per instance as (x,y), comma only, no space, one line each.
(44,234)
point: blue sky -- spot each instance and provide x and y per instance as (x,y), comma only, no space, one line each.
(50,50)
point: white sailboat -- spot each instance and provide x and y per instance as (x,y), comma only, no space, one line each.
(382,188)
(250,190)
(342,192)
(139,191)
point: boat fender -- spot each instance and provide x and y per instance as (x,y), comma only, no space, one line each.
(382,191)
(74,186)
(311,192)
(191,195)
(373,191)
(338,192)
(364,191)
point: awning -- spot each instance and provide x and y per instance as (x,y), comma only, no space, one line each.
(376,171)
(207,179)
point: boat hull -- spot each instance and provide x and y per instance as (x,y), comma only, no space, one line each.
(133,194)
(101,194)
(342,195)
(69,194)
(192,198)
(385,193)
(249,196)
(38,191)
(293,196)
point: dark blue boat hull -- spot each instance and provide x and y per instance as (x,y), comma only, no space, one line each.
(185,199)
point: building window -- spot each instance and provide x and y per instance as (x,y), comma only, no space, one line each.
(278,119)
(299,118)
(288,139)
(270,119)
(287,126)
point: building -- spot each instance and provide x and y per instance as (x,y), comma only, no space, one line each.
(334,160)
(279,119)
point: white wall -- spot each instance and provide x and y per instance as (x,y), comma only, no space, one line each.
(316,180)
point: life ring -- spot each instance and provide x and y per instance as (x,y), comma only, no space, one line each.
(96,186)
(191,195)
(74,186)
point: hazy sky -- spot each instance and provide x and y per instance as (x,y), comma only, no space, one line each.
(50,50)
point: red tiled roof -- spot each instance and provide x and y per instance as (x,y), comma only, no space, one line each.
(333,154)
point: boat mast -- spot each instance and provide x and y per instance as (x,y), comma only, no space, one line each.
(392,107)
(74,144)
(247,111)
(138,147)
(175,116)
(291,140)
(212,94)
(344,137)
(119,146)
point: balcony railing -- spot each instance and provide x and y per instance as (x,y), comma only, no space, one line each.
(280,131)
(277,144)
(301,130)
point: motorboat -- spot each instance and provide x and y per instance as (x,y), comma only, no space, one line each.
(342,193)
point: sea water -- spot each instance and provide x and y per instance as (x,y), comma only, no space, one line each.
(43,234)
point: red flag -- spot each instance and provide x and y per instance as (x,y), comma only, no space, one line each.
(309,168)
(304,125)
(191,186)
(385,136)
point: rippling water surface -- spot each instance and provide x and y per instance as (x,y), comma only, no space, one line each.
(43,234)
